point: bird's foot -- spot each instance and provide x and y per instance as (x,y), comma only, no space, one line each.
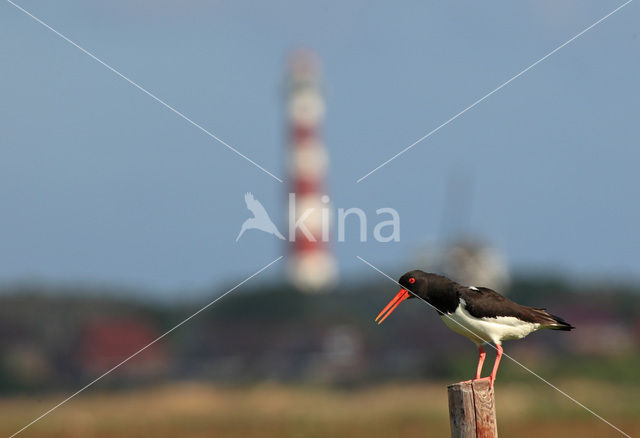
(476,379)
(488,378)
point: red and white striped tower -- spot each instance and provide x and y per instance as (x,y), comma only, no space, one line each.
(313,268)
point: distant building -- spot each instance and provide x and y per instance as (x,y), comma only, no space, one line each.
(468,262)
(106,342)
(342,356)
(313,268)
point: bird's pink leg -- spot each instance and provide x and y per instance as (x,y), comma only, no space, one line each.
(492,378)
(483,354)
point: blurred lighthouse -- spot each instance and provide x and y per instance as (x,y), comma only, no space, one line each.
(312,268)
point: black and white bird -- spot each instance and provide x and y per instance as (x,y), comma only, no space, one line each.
(479,313)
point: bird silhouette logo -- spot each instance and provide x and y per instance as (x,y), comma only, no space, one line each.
(260,220)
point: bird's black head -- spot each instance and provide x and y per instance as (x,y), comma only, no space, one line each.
(414,283)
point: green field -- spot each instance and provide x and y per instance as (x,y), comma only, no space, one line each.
(274,410)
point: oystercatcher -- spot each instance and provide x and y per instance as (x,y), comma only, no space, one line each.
(478,313)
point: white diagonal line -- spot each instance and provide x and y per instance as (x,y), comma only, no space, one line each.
(44,414)
(433,131)
(503,353)
(148,93)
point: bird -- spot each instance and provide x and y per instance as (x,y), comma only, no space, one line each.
(260,220)
(478,313)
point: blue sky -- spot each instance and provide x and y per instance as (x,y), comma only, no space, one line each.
(100,183)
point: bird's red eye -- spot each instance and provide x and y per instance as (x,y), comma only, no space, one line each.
(412,280)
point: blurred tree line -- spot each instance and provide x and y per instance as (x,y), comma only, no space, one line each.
(59,338)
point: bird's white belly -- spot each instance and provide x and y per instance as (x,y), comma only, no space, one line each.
(481,330)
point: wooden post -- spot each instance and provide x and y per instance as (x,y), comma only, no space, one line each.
(472,410)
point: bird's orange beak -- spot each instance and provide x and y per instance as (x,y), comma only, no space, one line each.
(400,297)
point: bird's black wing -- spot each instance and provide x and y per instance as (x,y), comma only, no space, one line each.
(483,302)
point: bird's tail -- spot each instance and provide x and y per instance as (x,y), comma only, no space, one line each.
(560,324)
(557,323)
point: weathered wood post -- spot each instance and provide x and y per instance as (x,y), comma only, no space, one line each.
(472,410)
